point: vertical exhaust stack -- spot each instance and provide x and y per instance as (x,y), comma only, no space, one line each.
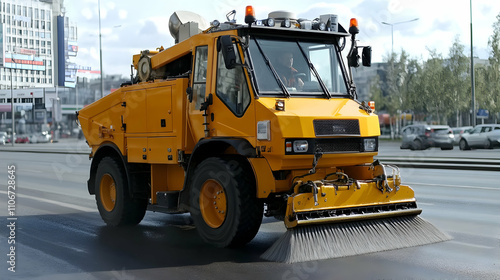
(183,24)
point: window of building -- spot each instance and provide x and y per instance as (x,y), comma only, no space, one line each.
(19,10)
(25,11)
(8,8)
(36,13)
(42,14)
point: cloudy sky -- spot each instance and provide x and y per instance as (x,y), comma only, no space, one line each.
(129,26)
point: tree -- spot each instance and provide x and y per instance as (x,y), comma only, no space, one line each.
(491,100)
(457,81)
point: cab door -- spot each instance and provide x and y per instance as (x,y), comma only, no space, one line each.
(232,113)
(200,83)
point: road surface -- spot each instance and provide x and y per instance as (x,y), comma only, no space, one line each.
(59,234)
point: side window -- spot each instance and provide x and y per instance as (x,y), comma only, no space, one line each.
(232,86)
(200,75)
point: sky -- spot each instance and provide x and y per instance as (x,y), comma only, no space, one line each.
(129,26)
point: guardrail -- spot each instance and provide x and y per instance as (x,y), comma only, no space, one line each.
(443,163)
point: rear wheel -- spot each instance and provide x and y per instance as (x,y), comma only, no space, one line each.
(113,200)
(463,145)
(224,207)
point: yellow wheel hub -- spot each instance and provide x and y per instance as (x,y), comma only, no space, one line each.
(107,191)
(213,203)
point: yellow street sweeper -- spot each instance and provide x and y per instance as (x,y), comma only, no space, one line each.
(237,121)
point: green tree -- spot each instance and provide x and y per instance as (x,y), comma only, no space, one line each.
(490,96)
(457,81)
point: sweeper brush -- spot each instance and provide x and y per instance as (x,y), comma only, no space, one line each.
(339,216)
(317,242)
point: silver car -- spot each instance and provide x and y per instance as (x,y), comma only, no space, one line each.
(423,136)
(482,136)
(458,131)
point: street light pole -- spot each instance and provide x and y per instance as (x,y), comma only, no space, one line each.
(473,117)
(12,107)
(392,30)
(100,50)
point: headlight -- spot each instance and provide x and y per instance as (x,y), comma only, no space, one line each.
(300,146)
(370,145)
(264,130)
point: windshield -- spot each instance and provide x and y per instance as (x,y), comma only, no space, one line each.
(296,68)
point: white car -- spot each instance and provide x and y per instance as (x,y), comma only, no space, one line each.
(43,137)
(482,136)
(3,138)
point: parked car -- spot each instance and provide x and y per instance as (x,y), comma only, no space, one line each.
(458,131)
(482,136)
(22,139)
(3,138)
(421,137)
(40,137)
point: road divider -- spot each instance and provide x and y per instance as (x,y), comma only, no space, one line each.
(443,163)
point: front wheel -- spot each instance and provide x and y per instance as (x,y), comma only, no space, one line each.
(113,200)
(463,145)
(223,201)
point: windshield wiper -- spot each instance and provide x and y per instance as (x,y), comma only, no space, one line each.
(311,66)
(275,74)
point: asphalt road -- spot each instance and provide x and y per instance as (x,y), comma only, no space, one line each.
(59,234)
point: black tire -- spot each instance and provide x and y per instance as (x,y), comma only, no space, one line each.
(118,209)
(489,145)
(463,145)
(416,145)
(236,186)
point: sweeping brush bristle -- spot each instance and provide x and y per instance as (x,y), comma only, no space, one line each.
(354,238)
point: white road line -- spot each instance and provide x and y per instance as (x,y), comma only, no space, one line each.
(424,203)
(453,186)
(472,245)
(63,204)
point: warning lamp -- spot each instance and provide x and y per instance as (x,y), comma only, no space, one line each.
(371,104)
(353,26)
(249,15)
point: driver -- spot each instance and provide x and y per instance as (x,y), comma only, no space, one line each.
(286,72)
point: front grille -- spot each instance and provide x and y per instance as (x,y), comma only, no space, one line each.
(340,145)
(336,127)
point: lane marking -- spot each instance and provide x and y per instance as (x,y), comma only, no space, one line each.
(471,245)
(453,186)
(63,204)
(424,203)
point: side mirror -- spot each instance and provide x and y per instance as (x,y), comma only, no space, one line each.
(353,57)
(367,56)
(225,44)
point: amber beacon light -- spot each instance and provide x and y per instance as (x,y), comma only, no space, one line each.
(249,15)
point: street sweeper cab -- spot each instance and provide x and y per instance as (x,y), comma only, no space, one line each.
(239,120)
